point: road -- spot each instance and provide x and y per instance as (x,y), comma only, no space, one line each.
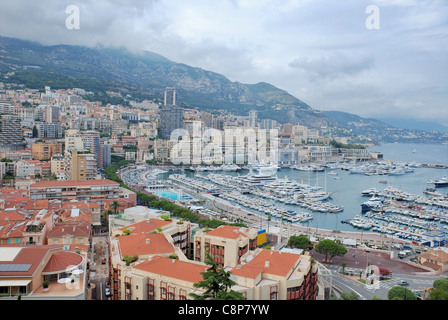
(99,272)
(381,288)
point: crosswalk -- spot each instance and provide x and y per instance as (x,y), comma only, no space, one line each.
(388,284)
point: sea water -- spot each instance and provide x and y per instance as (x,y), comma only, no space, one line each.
(347,187)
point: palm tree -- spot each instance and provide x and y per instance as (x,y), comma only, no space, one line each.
(269,219)
(217,283)
(115,205)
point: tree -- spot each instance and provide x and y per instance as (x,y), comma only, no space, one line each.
(115,205)
(216,283)
(129,259)
(330,248)
(301,242)
(349,296)
(401,293)
(343,266)
(440,290)
(384,272)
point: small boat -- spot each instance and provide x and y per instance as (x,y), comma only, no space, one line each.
(442,182)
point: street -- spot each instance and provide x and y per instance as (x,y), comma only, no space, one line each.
(99,272)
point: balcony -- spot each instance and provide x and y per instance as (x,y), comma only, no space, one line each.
(68,291)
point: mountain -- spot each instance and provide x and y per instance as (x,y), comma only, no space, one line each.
(415,124)
(361,129)
(145,75)
(146,71)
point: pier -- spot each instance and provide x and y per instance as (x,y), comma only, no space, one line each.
(285,229)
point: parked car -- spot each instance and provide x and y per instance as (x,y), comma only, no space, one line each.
(403,283)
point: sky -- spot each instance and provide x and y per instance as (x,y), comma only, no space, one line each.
(374,58)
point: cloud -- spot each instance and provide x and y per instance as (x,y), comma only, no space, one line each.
(317,50)
(332,65)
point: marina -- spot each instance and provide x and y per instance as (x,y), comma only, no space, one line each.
(406,205)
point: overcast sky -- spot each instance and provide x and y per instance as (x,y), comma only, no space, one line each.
(320,51)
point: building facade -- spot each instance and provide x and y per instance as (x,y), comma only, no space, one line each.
(10,130)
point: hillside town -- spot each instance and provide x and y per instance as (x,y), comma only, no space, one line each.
(71,229)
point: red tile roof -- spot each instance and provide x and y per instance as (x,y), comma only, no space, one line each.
(12,215)
(60,261)
(270,262)
(225,231)
(146,226)
(172,268)
(32,255)
(79,229)
(138,244)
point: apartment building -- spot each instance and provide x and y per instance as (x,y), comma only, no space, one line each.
(71,233)
(45,150)
(93,190)
(148,239)
(159,278)
(274,275)
(49,130)
(162,149)
(148,220)
(226,244)
(80,165)
(57,166)
(10,130)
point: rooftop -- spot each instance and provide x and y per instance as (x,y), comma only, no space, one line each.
(172,268)
(268,261)
(146,226)
(62,262)
(226,231)
(145,244)
(74,183)
(13,258)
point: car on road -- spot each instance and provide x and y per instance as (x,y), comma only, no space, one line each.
(107,292)
(403,283)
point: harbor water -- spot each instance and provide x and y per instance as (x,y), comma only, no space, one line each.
(347,187)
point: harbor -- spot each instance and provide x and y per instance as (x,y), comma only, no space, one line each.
(335,198)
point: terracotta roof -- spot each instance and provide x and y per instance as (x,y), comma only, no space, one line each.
(437,255)
(53,183)
(60,261)
(146,226)
(270,262)
(225,231)
(79,229)
(5,228)
(172,268)
(138,244)
(11,215)
(32,255)
(35,204)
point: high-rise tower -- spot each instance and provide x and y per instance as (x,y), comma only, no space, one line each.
(171,115)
